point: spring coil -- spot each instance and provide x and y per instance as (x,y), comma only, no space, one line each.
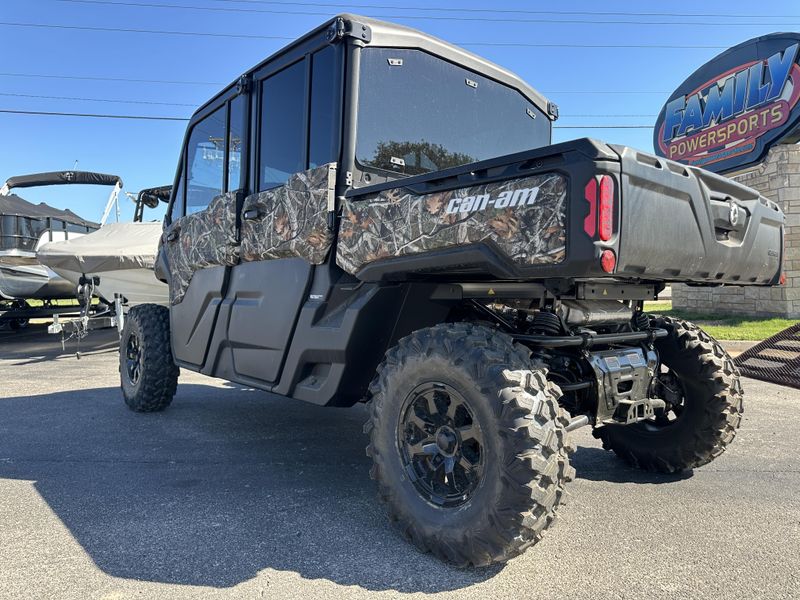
(547,323)
(641,320)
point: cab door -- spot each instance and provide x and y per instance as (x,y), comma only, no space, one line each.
(284,220)
(200,244)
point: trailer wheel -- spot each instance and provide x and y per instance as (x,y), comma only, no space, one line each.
(468,443)
(704,405)
(148,373)
(18,324)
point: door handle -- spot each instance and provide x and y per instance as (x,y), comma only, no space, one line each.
(253,214)
(173,235)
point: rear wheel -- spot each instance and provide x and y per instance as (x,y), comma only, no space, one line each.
(148,374)
(703,396)
(468,443)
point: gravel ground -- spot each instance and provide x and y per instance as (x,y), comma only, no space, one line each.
(234,493)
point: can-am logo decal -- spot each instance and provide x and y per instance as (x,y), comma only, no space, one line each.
(733,110)
(508,199)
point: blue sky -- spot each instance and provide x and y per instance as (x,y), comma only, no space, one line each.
(582,81)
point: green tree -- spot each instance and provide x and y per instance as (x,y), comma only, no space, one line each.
(419,157)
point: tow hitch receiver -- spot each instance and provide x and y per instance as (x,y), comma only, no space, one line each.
(623,379)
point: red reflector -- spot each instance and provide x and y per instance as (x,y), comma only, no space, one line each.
(782,280)
(606,207)
(608,261)
(590,194)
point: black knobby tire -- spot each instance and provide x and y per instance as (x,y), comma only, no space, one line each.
(148,373)
(523,457)
(712,406)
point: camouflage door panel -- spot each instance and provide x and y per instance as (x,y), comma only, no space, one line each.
(291,220)
(203,239)
(525,218)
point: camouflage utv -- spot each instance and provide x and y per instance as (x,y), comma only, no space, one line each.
(374,215)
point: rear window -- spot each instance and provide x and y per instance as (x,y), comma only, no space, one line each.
(419,113)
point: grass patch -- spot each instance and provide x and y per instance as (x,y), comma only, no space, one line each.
(39,303)
(725,327)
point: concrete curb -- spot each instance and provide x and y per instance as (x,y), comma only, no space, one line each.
(736,347)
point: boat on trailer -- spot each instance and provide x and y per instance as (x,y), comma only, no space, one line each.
(116,261)
(24,228)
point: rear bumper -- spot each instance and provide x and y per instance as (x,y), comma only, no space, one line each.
(679,223)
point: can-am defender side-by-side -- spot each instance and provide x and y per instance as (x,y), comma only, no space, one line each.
(372,214)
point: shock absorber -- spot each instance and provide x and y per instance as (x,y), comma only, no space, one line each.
(547,323)
(641,320)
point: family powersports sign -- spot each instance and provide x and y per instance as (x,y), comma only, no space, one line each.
(730,111)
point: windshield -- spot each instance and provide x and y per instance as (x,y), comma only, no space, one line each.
(418,113)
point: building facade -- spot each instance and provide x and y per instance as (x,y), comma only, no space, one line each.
(777,178)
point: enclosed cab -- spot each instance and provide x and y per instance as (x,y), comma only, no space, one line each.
(374,214)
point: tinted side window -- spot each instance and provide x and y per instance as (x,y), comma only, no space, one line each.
(74,228)
(323,140)
(176,212)
(282,142)
(206,161)
(236,132)
(8,225)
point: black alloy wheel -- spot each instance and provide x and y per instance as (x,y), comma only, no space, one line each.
(133,359)
(441,444)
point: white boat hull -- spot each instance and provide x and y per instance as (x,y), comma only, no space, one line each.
(33,281)
(137,286)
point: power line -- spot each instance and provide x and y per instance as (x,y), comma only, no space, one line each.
(602,126)
(508,11)
(161,118)
(154,31)
(221,83)
(113,100)
(89,115)
(596,116)
(609,92)
(593,21)
(277,37)
(100,78)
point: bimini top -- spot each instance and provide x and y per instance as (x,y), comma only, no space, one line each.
(13,205)
(59,178)
(150,197)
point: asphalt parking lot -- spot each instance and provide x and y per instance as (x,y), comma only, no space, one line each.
(236,493)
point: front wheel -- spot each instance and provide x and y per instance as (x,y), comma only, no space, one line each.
(703,395)
(148,373)
(468,443)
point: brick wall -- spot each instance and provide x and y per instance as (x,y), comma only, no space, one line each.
(777,178)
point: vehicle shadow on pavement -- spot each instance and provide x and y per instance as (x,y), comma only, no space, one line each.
(222,485)
(596,464)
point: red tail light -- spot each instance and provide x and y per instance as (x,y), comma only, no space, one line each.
(782,280)
(590,194)
(600,197)
(608,261)
(606,208)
